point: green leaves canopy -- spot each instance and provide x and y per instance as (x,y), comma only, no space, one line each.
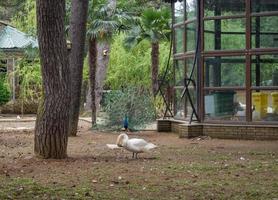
(153,25)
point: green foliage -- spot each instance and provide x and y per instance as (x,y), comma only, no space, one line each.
(9,7)
(132,68)
(29,73)
(153,25)
(136,7)
(135,103)
(86,69)
(128,68)
(25,19)
(4,90)
(104,20)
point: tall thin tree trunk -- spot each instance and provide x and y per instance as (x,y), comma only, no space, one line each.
(51,131)
(79,11)
(92,73)
(102,66)
(155,66)
(103,59)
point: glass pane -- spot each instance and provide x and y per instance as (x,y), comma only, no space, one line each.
(193,96)
(264,70)
(264,5)
(224,71)
(191,36)
(183,108)
(225,105)
(179,35)
(191,8)
(225,34)
(179,72)
(188,67)
(265,32)
(180,67)
(265,106)
(179,11)
(179,104)
(224,8)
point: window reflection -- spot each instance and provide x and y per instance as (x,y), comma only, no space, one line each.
(264,5)
(225,34)
(179,72)
(224,71)
(191,36)
(179,11)
(191,7)
(224,8)
(264,32)
(179,35)
(264,70)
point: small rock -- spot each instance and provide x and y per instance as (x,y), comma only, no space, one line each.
(94,181)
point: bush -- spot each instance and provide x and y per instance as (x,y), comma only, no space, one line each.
(4,90)
(20,107)
(135,103)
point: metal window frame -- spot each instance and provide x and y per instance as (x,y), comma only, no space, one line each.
(248,52)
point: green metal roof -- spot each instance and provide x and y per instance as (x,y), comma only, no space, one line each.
(11,38)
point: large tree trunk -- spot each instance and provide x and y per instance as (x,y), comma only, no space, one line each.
(79,10)
(155,66)
(103,50)
(92,73)
(51,131)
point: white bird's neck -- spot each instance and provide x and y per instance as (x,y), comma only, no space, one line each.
(124,139)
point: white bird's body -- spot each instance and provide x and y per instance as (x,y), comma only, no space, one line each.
(135,145)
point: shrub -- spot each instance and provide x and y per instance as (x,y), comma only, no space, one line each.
(4,90)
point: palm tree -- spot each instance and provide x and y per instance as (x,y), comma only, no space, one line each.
(104,21)
(154,26)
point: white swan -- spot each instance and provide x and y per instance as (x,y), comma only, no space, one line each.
(135,145)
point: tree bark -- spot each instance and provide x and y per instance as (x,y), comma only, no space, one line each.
(103,59)
(92,74)
(155,66)
(79,10)
(102,66)
(51,131)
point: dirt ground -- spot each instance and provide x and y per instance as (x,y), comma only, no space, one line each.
(200,168)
